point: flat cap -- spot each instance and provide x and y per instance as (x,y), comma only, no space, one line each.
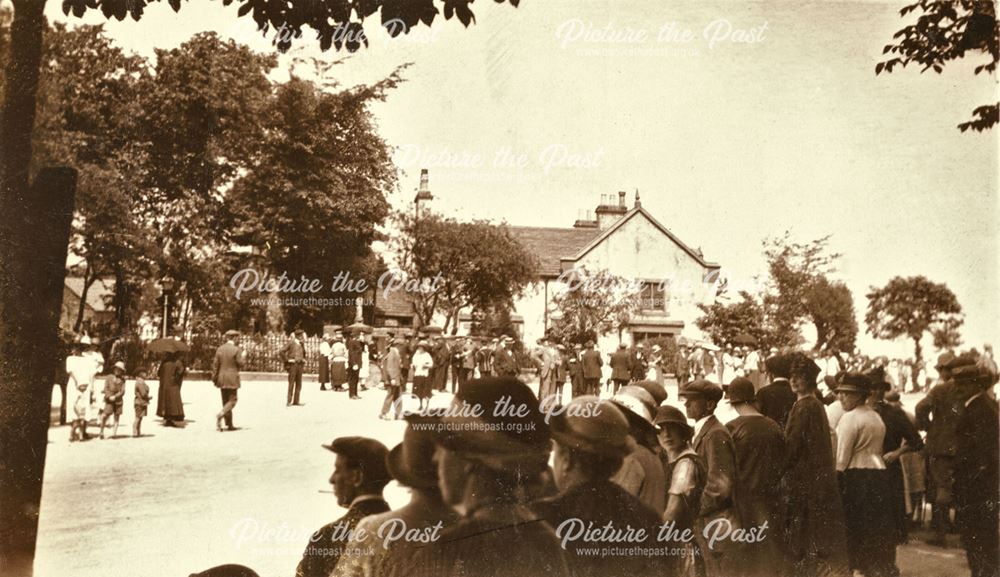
(593,425)
(702,388)
(368,453)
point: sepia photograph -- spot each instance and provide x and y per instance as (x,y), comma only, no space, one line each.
(565,288)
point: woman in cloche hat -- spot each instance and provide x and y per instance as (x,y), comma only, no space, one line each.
(864,480)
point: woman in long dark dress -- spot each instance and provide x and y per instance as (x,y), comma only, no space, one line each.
(816,542)
(169,405)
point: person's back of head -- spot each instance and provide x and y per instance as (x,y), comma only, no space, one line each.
(229,570)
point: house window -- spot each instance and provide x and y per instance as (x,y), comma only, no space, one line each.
(653,297)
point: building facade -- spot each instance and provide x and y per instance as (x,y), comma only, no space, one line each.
(628,242)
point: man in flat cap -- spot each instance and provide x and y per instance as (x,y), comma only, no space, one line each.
(226,376)
(976,470)
(492,449)
(294,355)
(760,464)
(359,476)
(380,540)
(714,444)
(938,413)
(591,439)
(775,400)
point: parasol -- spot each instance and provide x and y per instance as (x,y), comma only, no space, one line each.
(744,339)
(168,345)
(431,330)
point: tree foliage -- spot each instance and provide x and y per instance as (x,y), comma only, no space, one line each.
(593,304)
(945,31)
(336,23)
(314,197)
(461,265)
(911,307)
(801,292)
(723,322)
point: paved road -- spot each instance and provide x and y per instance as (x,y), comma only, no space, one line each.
(181,500)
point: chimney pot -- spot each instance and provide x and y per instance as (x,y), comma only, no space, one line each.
(621,198)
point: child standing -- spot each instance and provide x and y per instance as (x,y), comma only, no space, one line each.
(142,399)
(114,395)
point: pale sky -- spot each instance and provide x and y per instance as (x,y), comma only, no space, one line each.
(728,142)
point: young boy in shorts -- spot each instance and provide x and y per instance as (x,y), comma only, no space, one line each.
(114,395)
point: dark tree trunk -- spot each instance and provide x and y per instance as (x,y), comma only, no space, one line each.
(27,327)
(34,269)
(87,282)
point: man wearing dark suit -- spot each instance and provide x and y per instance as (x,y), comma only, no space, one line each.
(977,461)
(504,363)
(226,376)
(775,400)
(575,369)
(714,444)
(639,363)
(405,354)
(592,363)
(938,413)
(359,476)
(294,355)
(683,370)
(355,350)
(620,364)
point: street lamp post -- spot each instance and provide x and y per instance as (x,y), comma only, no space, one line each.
(167,285)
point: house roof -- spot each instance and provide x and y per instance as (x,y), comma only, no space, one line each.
(554,246)
(551,245)
(639,210)
(98,296)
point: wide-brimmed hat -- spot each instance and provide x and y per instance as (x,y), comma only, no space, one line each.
(368,453)
(628,395)
(120,365)
(593,425)
(945,360)
(422,345)
(741,390)
(670,415)
(971,374)
(853,382)
(654,389)
(703,388)
(412,461)
(486,423)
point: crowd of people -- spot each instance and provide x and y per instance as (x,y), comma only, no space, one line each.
(808,479)
(799,483)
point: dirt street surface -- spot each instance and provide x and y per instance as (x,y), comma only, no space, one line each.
(180,500)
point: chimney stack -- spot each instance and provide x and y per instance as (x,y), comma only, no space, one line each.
(608,211)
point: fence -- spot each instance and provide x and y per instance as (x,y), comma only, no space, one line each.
(262,353)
